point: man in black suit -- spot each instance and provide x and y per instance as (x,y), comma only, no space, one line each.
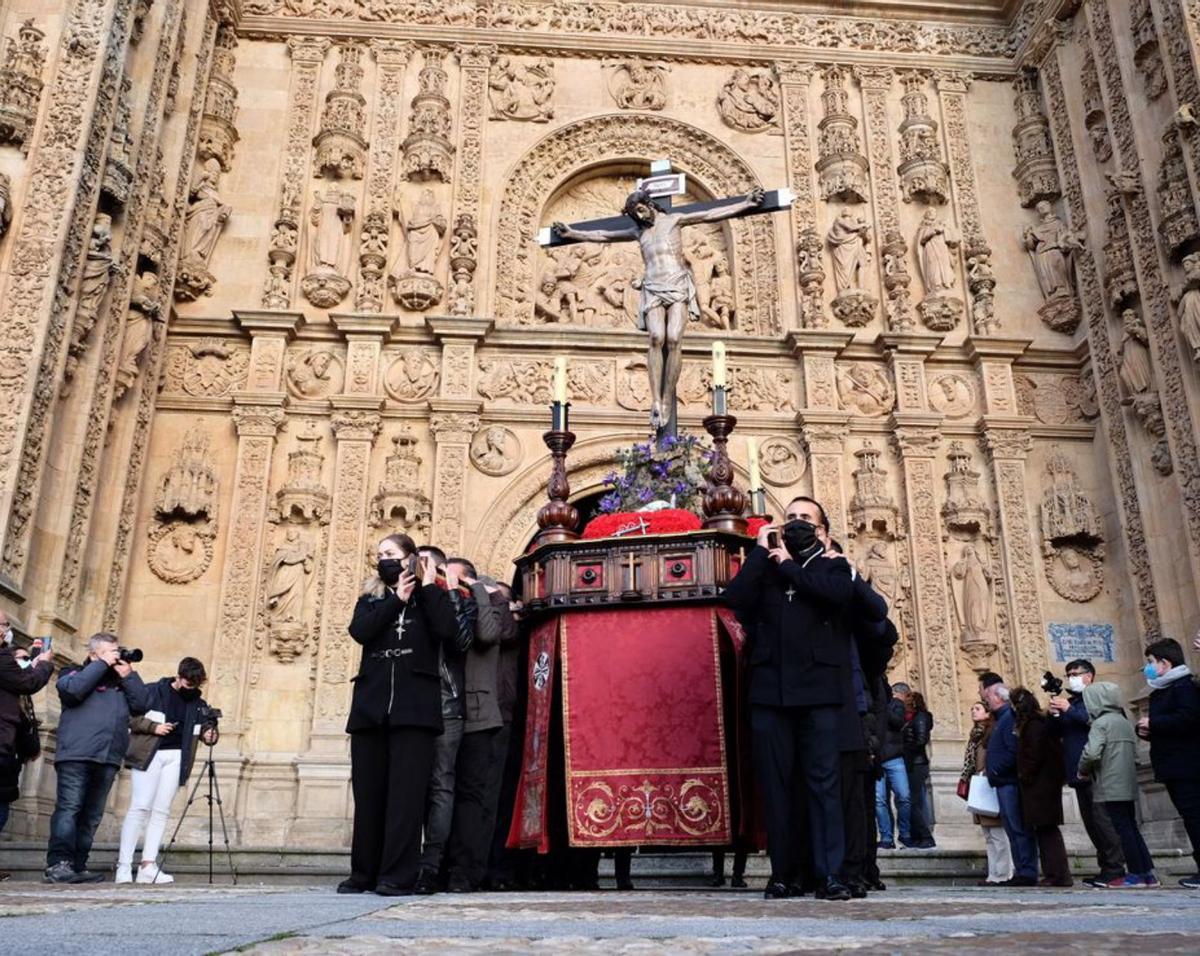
(797,596)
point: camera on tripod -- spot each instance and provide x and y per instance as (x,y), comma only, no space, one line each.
(208,717)
(1052,685)
(130,655)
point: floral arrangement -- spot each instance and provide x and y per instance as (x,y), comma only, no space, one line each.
(636,524)
(674,471)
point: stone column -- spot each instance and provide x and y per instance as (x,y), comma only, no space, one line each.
(823,425)
(906,353)
(916,435)
(467,209)
(452,424)
(794,81)
(1179,38)
(459,339)
(47,250)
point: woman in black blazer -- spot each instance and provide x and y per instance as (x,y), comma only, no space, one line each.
(395,715)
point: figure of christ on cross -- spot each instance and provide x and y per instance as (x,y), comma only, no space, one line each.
(668,290)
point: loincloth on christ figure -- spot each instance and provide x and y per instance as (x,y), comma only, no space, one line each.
(680,287)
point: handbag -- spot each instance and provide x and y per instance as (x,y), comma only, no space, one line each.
(963,790)
(982,798)
(27,745)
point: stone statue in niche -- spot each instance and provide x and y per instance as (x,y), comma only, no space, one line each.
(93,283)
(522,91)
(205,219)
(848,239)
(1135,371)
(981,280)
(495,450)
(973,604)
(1189,304)
(5,203)
(415,287)
(313,374)
(636,85)
(1052,246)
(145,308)
(749,101)
(934,241)
(878,567)
(330,223)
(179,543)
(865,390)
(286,590)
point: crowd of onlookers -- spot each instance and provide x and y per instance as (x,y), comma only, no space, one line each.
(1083,739)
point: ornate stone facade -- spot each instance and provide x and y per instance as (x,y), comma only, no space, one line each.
(284,286)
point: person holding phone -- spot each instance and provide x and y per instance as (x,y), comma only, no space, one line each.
(162,748)
(18,679)
(401,621)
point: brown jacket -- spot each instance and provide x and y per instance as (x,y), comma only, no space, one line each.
(981,767)
(1041,774)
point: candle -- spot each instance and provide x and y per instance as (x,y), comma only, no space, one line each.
(560,380)
(752,452)
(718,355)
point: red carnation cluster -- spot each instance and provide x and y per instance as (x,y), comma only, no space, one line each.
(636,523)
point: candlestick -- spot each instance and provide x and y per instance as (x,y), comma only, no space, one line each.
(720,405)
(718,358)
(558,517)
(560,380)
(723,501)
(752,453)
(559,414)
(758,503)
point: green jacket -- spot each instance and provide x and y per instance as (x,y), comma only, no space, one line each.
(1108,757)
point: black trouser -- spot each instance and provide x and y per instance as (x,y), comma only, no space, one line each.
(795,756)
(1185,794)
(918,777)
(1109,854)
(504,863)
(389,773)
(1124,821)
(476,790)
(852,767)
(871,864)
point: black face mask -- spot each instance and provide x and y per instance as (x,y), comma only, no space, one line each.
(389,570)
(799,537)
(189,693)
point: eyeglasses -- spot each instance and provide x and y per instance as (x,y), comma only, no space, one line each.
(1076,673)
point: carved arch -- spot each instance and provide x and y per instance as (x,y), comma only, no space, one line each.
(512,519)
(622,138)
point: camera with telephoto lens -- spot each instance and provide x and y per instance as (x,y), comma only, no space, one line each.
(129,655)
(1052,685)
(207,717)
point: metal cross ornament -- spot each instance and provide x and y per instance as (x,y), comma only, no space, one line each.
(791,593)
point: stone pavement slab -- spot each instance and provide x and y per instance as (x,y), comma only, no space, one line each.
(282,921)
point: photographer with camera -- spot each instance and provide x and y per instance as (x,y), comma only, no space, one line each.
(162,749)
(93,735)
(18,729)
(1070,722)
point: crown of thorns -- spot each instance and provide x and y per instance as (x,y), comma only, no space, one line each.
(640,197)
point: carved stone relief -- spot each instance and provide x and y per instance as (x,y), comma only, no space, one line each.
(638,85)
(93,284)
(5,203)
(936,244)
(781,461)
(1147,56)
(1095,120)
(205,219)
(1036,174)
(412,375)
(924,175)
(208,368)
(873,509)
(529,381)
(286,593)
(313,373)
(952,394)
(118,164)
(218,135)
(21,84)
(749,101)
(864,389)
(841,167)
(1120,280)
(329,244)
(964,512)
(400,504)
(810,273)
(849,240)
(521,90)
(179,543)
(495,450)
(974,604)
(1189,305)
(340,144)
(1052,246)
(428,152)
(1072,536)
(412,279)
(1177,223)
(1052,399)
(145,310)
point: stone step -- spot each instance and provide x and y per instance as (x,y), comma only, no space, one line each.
(280,865)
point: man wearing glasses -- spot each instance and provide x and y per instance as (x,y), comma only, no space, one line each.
(1071,724)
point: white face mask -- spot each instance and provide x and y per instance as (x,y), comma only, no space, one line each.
(8,635)
(1075,684)
(25,664)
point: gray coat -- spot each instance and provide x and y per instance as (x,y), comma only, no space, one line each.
(96,705)
(495,628)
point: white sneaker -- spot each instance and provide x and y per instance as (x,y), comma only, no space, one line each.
(124,874)
(152,874)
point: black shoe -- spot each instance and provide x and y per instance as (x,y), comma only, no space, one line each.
(926,844)
(1191,882)
(625,885)
(776,891)
(1019,881)
(717,879)
(833,890)
(458,886)
(910,844)
(426,884)
(391,889)
(858,889)
(877,885)
(87,876)
(885,845)
(60,872)
(798,890)
(5,876)
(350,886)
(738,882)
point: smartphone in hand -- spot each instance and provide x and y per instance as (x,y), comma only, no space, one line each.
(772,540)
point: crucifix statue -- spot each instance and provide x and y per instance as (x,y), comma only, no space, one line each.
(668,289)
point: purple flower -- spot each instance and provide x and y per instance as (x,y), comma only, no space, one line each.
(645,495)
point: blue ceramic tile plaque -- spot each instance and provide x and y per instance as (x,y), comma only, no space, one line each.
(1093,641)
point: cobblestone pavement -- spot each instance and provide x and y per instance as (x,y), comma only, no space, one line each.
(284,921)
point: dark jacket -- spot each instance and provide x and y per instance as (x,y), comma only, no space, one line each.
(14,684)
(799,644)
(453,663)
(915,737)
(96,704)
(495,628)
(1041,774)
(892,745)
(508,672)
(144,742)
(397,684)
(1175,731)
(1002,749)
(866,617)
(1071,728)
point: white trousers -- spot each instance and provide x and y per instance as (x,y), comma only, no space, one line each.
(153,790)
(999,856)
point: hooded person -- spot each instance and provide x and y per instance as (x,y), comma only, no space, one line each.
(1109,762)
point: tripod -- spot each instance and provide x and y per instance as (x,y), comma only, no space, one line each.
(209,772)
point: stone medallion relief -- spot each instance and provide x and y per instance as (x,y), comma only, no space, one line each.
(314,373)
(781,461)
(864,389)
(952,394)
(412,375)
(495,450)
